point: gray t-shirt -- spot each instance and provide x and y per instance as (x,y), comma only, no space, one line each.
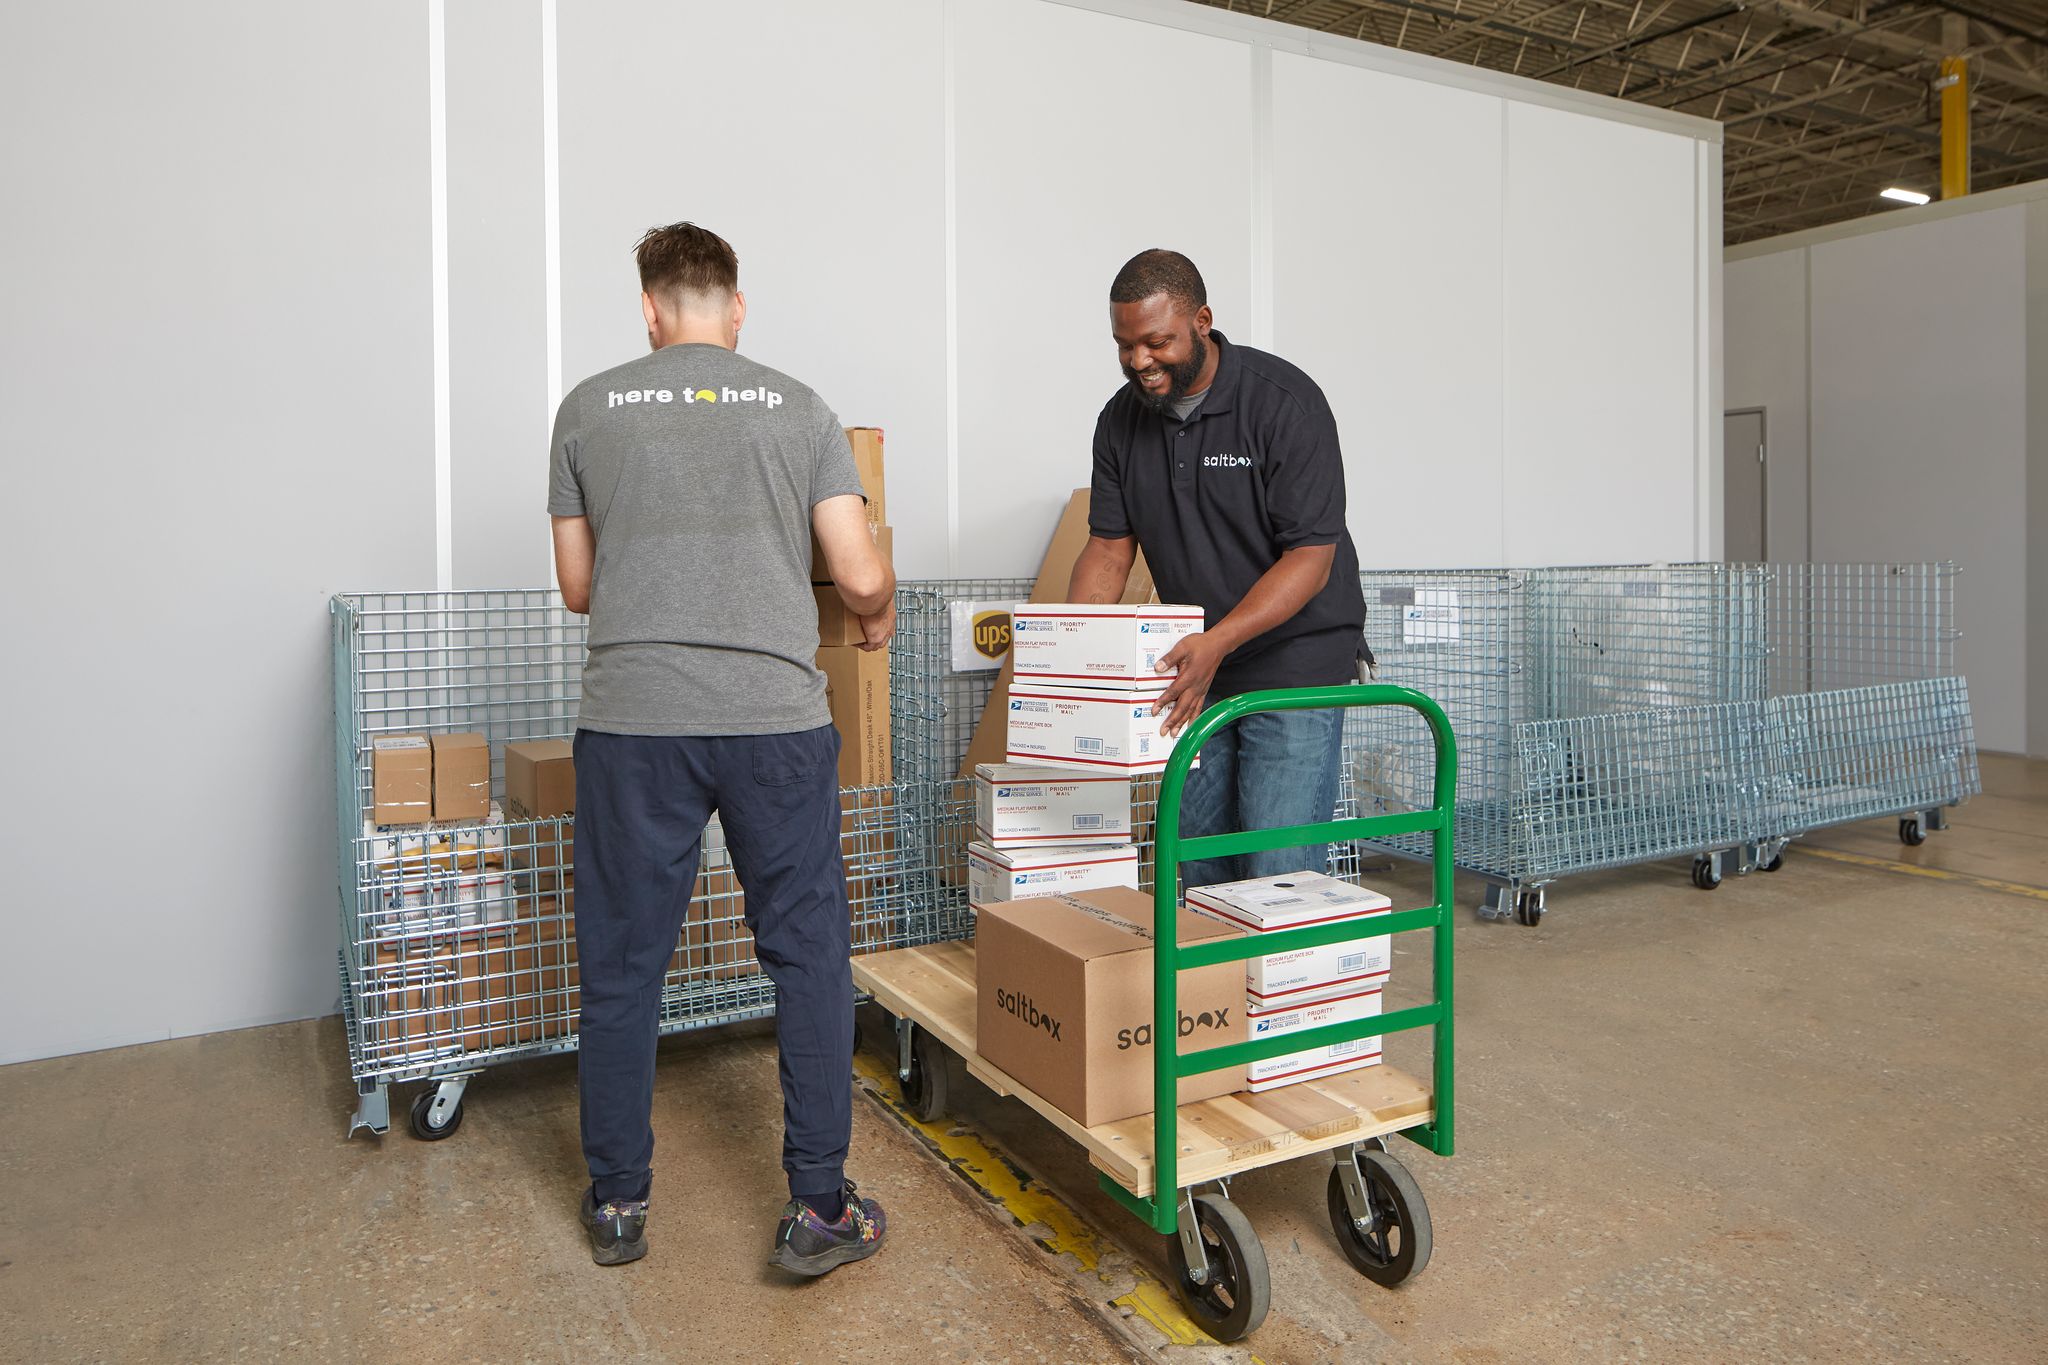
(698,469)
(1183,408)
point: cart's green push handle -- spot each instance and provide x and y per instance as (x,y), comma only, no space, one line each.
(1160,1211)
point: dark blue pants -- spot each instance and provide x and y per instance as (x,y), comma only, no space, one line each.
(641,805)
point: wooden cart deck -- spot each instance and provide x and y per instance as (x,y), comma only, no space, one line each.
(933,986)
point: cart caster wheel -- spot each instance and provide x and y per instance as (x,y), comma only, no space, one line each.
(1233,1301)
(1393,1246)
(925,1091)
(1777,861)
(1529,907)
(423,1117)
(1911,832)
(1703,874)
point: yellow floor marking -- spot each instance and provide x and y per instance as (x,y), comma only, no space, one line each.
(1937,873)
(1029,1203)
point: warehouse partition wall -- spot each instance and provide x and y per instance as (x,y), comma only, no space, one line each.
(370,243)
(1898,358)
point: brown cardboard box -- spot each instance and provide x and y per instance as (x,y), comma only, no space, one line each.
(539,848)
(401,780)
(837,623)
(1055,571)
(1064,1001)
(462,777)
(540,779)
(857,690)
(867,458)
(413,986)
(885,541)
(520,983)
(540,784)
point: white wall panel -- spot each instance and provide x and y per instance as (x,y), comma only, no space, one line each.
(929,198)
(1766,368)
(219,386)
(809,134)
(499,417)
(1602,342)
(1920,427)
(1396,314)
(1082,139)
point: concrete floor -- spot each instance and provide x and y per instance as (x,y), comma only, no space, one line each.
(1795,1118)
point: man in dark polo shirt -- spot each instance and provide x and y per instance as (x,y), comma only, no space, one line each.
(1221,463)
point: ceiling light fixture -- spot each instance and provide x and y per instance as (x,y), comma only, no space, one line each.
(1903,196)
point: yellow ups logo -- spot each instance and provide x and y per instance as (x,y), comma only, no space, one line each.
(992,634)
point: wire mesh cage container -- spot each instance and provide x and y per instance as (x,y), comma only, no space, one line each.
(1610,715)
(458,946)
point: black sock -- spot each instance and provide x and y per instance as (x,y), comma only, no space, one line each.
(830,1206)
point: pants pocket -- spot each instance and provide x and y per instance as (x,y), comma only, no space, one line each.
(785,760)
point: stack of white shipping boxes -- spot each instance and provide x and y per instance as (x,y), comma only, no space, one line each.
(1310,987)
(1056,818)
(1086,678)
(1048,831)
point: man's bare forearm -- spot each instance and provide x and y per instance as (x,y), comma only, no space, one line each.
(1103,570)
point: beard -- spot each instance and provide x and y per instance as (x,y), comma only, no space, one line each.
(1179,377)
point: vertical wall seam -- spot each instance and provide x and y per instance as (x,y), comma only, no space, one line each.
(551,229)
(437,160)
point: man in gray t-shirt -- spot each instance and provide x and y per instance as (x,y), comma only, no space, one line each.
(685,488)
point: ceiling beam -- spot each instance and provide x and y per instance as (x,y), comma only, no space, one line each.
(1899,44)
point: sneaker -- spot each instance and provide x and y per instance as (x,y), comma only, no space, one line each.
(805,1244)
(618,1229)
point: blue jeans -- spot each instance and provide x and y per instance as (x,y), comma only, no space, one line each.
(1270,769)
(641,804)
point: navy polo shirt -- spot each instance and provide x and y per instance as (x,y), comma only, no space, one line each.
(1214,500)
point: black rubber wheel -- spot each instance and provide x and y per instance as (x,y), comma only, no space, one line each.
(1233,1302)
(1529,909)
(1394,1246)
(422,1107)
(925,1092)
(1703,874)
(1777,861)
(1911,832)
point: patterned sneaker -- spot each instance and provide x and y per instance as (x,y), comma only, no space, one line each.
(618,1229)
(806,1244)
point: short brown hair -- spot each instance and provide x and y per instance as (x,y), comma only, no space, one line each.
(683,258)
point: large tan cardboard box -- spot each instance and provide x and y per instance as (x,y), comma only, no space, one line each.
(401,780)
(837,623)
(462,777)
(540,779)
(867,459)
(857,690)
(1064,1001)
(521,983)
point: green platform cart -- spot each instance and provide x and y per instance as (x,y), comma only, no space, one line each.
(1158,1165)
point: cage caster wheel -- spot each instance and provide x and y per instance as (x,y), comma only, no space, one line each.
(1777,861)
(924,1090)
(1390,1245)
(1912,833)
(429,1126)
(1705,875)
(1529,906)
(1232,1298)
